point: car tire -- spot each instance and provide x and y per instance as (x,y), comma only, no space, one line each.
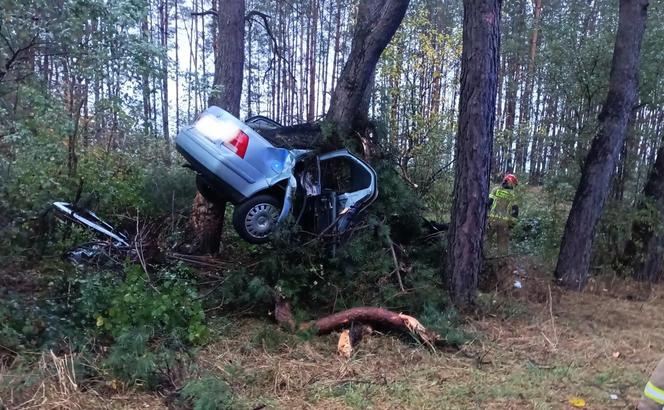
(255,219)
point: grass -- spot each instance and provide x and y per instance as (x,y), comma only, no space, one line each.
(536,360)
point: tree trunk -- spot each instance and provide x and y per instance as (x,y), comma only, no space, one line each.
(163,32)
(377,21)
(525,130)
(312,62)
(574,258)
(207,218)
(229,60)
(145,83)
(477,104)
(645,250)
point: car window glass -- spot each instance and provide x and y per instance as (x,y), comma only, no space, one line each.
(342,174)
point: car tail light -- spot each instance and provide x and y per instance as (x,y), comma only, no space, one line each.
(238,144)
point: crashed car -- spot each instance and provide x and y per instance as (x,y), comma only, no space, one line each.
(266,183)
(112,248)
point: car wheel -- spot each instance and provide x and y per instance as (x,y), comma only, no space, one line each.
(255,219)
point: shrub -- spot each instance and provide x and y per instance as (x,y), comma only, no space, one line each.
(209,393)
(171,306)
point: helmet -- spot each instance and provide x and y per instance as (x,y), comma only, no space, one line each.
(511,179)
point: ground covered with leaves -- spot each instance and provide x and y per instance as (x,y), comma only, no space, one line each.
(521,352)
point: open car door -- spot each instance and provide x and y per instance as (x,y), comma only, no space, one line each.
(338,186)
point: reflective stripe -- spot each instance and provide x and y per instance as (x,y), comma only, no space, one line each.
(500,217)
(654,393)
(503,194)
(503,199)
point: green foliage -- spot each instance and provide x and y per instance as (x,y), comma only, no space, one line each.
(445,321)
(16,325)
(138,359)
(542,216)
(130,359)
(172,307)
(209,393)
(152,322)
(113,183)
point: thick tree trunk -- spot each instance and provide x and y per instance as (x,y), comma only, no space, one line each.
(477,104)
(229,61)
(207,219)
(645,250)
(574,259)
(377,21)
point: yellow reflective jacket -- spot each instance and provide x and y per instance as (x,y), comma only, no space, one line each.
(653,393)
(503,204)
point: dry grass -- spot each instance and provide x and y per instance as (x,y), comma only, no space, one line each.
(529,355)
(50,383)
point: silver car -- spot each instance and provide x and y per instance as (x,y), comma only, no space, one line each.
(266,183)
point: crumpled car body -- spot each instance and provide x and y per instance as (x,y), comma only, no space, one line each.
(111,249)
(234,163)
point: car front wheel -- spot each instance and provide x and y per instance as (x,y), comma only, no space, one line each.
(256,218)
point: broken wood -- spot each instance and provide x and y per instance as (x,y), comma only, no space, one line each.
(366,315)
(351,337)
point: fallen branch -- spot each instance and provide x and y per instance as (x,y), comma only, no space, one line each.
(366,315)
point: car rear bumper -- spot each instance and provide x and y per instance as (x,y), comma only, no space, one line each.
(224,190)
(210,161)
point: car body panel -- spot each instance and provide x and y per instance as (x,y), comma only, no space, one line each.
(263,164)
(205,145)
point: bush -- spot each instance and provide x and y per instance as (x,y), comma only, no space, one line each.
(138,358)
(209,393)
(113,183)
(170,306)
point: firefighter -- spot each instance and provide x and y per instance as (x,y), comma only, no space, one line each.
(653,393)
(503,211)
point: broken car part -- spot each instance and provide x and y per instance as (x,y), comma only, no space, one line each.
(235,163)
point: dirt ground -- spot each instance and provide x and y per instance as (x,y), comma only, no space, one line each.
(598,346)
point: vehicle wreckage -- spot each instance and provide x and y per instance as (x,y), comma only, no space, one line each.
(238,162)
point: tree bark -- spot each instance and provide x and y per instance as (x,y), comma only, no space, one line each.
(207,218)
(377,21)
(366,315)
(574,258)
(477,104)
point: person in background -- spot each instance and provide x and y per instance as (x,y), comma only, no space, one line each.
(653,393)
(503,212)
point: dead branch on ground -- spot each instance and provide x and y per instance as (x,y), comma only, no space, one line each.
(365,315)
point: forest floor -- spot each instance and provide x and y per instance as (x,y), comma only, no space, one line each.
(527,354)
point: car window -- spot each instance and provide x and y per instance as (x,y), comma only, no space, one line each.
(260,122)
(342,174)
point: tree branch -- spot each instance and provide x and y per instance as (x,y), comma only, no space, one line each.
(15,54)
(211,12)
(365,314)
(266,25)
